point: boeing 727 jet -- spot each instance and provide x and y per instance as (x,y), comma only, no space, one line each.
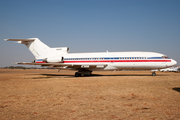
(85,63)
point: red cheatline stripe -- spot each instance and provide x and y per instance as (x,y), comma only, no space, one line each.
(117,61)
(40,62)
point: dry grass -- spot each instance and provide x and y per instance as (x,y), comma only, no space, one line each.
(121,95)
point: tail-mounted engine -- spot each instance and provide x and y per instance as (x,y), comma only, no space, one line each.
(53,59)
(49,60)
(59,50)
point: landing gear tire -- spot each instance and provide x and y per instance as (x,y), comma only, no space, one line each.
(153,74)
(77,74)
(83,73)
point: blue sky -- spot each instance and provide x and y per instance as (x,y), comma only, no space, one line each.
(90,26)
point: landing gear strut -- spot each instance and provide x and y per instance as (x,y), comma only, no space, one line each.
(153,74)
(82,72)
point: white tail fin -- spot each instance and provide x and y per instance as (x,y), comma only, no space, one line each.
(41,50)
(38,48)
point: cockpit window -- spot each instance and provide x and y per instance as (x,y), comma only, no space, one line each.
(165,57)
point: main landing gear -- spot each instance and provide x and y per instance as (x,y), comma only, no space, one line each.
(82,72)
(153,74)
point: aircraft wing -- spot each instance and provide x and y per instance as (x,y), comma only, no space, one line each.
(67,66)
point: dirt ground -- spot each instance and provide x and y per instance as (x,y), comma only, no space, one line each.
(121,95)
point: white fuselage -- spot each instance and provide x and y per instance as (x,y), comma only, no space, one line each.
(119,60)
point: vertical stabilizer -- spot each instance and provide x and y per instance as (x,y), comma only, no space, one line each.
(38,48)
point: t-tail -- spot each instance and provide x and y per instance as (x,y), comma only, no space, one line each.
(41,50)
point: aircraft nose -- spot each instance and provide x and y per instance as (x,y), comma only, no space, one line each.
(173,62)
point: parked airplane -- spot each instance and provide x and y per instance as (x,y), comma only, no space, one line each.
(171,69)
(84,63)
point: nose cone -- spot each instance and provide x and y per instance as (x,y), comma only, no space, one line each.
(173,62)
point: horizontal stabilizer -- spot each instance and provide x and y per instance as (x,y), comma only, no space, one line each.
(23,40)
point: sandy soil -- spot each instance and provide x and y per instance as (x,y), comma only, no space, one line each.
(120,95)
